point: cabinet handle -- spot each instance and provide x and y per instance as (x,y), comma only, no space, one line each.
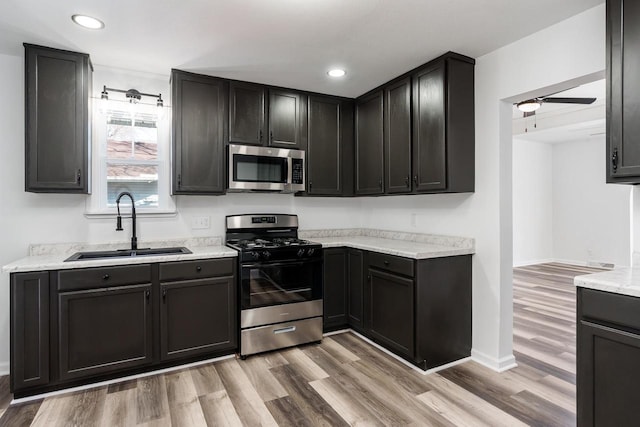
(270,137)
(105,277)
(261,137)
(407,181)
(415,179)
(386,263)
(164,295)
(198,268)
(614,160)
(310,184)
(380,183)
(179,180)
(79,176)
(147,294)
(368,277)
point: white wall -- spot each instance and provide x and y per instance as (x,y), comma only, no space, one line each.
(569,50)
(532,202)
(563,210)
(591,219)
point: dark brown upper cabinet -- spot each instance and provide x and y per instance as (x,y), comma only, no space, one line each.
(443,126)
(57,121)
(397,137)
(279,123)
(623,91)
(369,163)
(247,111)
(287,119)
(330,147)
(199,133)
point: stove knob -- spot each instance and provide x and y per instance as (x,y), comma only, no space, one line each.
(300,252)
(311,251)
(266,254)
(254,255)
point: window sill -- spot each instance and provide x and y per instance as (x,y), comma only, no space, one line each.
(125,211)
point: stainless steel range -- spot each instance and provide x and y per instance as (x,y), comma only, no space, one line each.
(280,282)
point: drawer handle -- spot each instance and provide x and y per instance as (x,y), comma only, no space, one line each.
(105,277)
(285,330)
(198,268)
(386,262)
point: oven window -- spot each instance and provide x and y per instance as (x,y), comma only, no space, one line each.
(248,168)
(281,283)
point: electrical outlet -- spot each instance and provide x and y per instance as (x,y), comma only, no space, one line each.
(200,222)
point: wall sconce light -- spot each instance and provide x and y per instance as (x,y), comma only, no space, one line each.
(133,95)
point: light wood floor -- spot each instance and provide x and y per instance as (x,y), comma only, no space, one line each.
(345,381)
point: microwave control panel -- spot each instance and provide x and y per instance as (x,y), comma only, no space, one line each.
(297,171)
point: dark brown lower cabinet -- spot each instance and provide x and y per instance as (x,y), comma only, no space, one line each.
(335,288)
(29,329)
(608,355)
(197,317)
(418,309)
(104,330)
(390,314)
(78,326)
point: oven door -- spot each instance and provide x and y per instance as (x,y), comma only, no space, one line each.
(267,284)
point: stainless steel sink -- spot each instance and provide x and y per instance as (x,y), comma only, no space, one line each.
(126,253)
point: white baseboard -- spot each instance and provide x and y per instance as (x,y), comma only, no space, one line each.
(533,262)
(498,365)
(4,368)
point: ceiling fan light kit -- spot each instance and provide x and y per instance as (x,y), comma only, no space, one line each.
(529,105)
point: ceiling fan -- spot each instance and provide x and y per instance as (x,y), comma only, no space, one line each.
(530,106)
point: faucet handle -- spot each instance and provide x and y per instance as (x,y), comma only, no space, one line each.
(118,223)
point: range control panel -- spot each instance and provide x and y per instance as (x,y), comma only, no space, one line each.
(263,219)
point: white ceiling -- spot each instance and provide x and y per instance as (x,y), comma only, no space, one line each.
(557,123)
(289,43)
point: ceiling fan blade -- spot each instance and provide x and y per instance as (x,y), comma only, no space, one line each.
(558,100)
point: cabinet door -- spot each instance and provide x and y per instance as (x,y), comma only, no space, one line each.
(57,120)
(369,144)
(104,330)
(199,133)
(397,137)
(429,136)
(623,97)
(390,311)
(198,317)
(287,119)
(29,330)
(356,290)
(335,288)
(608,376)
(247,113)
(324,157)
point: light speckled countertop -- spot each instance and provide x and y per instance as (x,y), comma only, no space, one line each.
(624,281)
(52,256)
(410,245)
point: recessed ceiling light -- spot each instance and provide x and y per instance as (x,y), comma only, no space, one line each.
(336,72)
(88,22)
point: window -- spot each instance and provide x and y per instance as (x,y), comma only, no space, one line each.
(131,153)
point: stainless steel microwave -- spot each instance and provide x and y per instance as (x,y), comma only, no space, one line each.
(266,169)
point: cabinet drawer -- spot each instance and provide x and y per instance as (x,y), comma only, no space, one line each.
(185,270)
(91,278)
(609,307)
(393,263)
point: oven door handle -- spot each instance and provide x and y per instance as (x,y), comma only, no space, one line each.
(281,264)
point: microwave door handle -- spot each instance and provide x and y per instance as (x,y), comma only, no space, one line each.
(289,173)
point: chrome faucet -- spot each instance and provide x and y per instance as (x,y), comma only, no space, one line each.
(134,239)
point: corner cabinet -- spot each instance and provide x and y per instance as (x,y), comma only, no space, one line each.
(199,133)
(623,92)
(330,147)
(57,121)
(608,373)
(79,326)
(369,170)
